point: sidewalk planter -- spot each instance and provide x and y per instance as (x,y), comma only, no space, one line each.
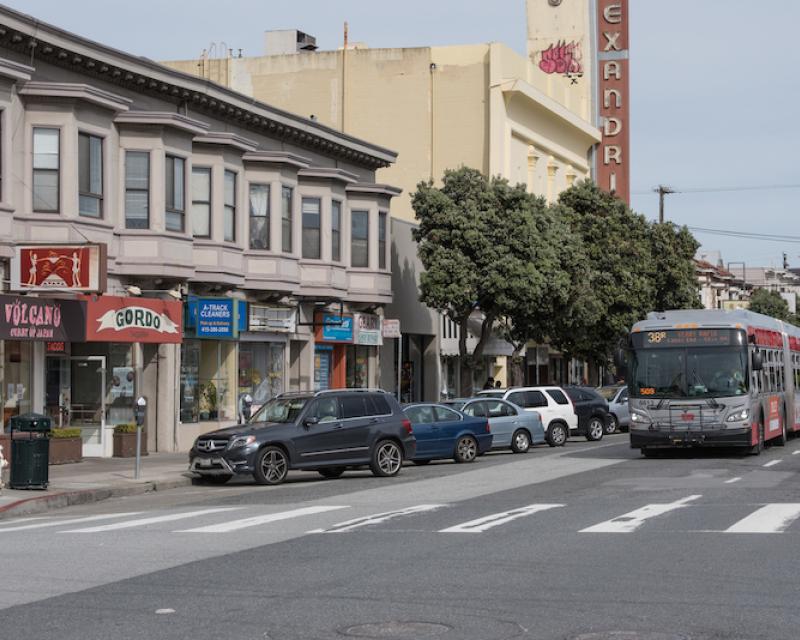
(125,441)
(65,446)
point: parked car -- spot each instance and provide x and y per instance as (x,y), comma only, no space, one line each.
(550,402)
(512,427)
(592,410)
(619,414)
(442,432)
(326,431)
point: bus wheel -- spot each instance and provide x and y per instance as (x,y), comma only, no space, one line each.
(759,446)
(781,439)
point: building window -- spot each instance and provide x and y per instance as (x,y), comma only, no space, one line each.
(90,175)
(336,231)
(201,202)
(359,244)
(175,180)
(45,170)
(286,219)
(261,370)
(382,240)
(229,214)
(137,189)
(259,216)
(311,228)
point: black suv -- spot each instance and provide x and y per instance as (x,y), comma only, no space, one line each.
(592,410)
(326,431)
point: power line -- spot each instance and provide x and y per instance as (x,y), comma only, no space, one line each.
(769,237)
(761,187)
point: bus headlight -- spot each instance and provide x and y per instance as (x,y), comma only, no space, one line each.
(639,419)
(739,416)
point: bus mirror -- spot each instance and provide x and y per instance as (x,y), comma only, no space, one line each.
(758,362)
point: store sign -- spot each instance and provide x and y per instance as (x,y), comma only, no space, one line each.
(216,318)
(56,347)
(46,319)
(613,161)
(59,267)
(121,319)
(391,328)
(368,329)
(276,319)
(335,328)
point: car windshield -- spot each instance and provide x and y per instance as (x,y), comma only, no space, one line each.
(281,410)
(692,372)
(608,392)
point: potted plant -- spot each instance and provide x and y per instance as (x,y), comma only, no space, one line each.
(66,446)
(125,440)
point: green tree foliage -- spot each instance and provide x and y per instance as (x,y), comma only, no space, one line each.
(770,303)
(674,278)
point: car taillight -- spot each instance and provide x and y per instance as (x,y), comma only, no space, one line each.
(488,427)
(538,415)
(407,425)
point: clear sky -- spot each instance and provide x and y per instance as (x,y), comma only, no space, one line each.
(714,85)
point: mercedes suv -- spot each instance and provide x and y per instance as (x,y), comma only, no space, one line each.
(327,431)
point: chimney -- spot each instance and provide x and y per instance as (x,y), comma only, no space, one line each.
(288,41)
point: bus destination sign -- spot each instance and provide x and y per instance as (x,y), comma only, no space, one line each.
(687,338)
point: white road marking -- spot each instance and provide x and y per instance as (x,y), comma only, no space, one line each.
(70,522)
(772,518)
(142,522)
(350,525)
(162,612)
(496,519)
(732,480)
(235,525)
(630,522)
(794,453)
(772,463)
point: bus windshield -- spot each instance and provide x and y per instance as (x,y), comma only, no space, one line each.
(693,372)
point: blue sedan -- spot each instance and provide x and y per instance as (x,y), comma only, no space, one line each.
(512,426)
(442,432)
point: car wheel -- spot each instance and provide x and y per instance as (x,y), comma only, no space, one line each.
(520,441)
(331,472)
(387,458)
(781,440)
(420,463)
(613,424)
(466,449)
(556,434)
(272,465)
(215,479)
(595,429)
(758,447)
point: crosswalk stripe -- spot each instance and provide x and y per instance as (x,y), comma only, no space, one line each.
(70,522)
(496,519)
(235,525)
(772,518)
(377,518)
(630,522)
(772,463)
(142,522)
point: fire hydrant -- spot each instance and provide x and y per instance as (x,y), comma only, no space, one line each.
(3,465)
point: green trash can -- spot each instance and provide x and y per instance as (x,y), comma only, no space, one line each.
(30,451)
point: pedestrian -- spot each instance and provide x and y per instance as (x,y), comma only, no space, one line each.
(489,383)
(498,385)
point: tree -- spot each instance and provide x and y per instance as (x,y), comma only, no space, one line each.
(674,278)
(770,303)
(476,242)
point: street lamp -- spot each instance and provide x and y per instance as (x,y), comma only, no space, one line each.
(133,290)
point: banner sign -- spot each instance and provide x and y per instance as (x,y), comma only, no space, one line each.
(45,319)
(121,319)
(391,328)
(80,268)
(216,318)
(335,328)
(368,329)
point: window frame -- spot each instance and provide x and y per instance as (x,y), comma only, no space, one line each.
(207,170)
(229,208)
(267,241)
(383,221)
(147,154)
(336,230)
(171,159)
(304,228)
(353,214)
(89,194)
(287,219)
(48,171)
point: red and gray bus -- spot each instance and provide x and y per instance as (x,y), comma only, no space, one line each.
(712,378)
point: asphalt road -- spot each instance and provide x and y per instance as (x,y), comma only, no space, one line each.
(590,542)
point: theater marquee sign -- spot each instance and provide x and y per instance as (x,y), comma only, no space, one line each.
(613,158)
(59,267)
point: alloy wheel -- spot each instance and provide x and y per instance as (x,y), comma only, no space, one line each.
(521,441)
(467,449)
(595,429)
(273,465)
(389,458)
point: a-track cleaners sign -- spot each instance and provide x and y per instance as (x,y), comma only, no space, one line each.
(120,319)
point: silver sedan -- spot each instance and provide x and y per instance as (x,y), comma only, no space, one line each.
(512,427)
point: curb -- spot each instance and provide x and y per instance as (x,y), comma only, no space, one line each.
(40,504)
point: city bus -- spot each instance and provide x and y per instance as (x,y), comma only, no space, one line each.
(704,378)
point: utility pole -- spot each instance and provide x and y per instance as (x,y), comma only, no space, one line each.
(661,190)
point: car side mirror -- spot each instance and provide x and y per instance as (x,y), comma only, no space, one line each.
(310,421)
(758,361)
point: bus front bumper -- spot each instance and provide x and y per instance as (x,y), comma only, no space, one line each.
(664,438)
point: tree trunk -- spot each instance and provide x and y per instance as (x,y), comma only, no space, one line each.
(517,373)
(468,363)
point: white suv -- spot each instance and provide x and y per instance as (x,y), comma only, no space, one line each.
(551,403)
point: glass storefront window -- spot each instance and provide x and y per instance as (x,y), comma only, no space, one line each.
(216,390)
(190,381)
(16,378)
(261,370)
(358,366)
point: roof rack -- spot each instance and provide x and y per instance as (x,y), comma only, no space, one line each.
(352,390)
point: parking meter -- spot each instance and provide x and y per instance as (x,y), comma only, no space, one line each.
(139,411)
(245,407)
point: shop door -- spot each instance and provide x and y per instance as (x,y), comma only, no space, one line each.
(88,402)
(57,390)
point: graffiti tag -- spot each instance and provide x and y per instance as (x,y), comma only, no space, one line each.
(563,59)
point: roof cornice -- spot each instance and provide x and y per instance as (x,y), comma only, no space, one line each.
(75,91)
(372,188)
(163,119)
(277,157)
(15,70)
(328,173)
(226,139)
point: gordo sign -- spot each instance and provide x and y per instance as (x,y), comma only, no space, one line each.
(117,319)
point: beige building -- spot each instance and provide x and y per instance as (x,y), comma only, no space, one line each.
(483,106)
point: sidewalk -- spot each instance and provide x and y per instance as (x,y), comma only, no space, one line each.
(97,479)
